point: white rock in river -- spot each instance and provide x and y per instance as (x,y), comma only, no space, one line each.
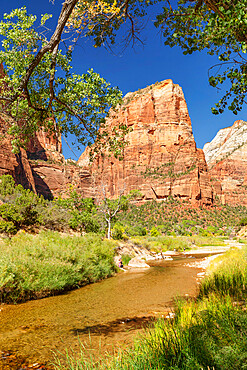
(138,262)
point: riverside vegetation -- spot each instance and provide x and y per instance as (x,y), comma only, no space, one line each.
(39,257)
(205,333)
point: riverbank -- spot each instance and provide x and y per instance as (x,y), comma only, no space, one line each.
(105,316)
(51,263)
(110,311)
(209,332)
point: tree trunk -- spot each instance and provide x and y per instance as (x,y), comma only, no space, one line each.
(109,229)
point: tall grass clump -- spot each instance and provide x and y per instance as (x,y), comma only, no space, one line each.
(34,266)
(207,334)
(162,243)
(201,241)
(228,275)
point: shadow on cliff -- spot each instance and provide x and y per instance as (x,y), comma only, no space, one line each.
(36,150)
(41,187)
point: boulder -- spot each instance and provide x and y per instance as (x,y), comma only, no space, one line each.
(138,262)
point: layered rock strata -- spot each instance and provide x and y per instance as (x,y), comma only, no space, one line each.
(42,166)
(160,158)
(226,156)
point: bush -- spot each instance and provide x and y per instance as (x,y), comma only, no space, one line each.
(118,232)
(125,259)
(7,227)
(19,208)
(154,232)
(7,185)
(243,221)
(48,263)
(135,230)
(83,221)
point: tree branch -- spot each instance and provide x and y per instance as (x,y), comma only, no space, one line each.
(66,11)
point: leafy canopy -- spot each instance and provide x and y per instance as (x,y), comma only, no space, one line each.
(79,103)
(39,89)
(220,27)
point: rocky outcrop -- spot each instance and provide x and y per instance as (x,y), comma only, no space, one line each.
(226,156)
(16,165)
(160,158)
(56,179)
(46,147)
(42,166)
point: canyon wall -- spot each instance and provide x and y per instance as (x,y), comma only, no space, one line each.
(41,167)
(16,165)
(226,156)
(160,158)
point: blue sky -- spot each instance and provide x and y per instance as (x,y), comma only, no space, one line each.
(143,65)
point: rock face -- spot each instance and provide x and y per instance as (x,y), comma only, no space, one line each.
(55,179)
(42,167)
(161,158)
(15,165)
(226,156)
(45,147)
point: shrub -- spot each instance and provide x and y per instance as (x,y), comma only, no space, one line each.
(118,232)
(243,221)
(7,227)
(83,221)
(154,232)
(125,259)
(48,263)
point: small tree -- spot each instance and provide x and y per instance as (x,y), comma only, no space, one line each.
(111,207)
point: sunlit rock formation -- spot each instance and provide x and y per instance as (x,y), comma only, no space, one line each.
(226,156)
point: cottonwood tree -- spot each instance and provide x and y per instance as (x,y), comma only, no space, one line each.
(111,207)
(220,27)
(39,88)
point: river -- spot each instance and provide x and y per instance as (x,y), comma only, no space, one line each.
(111,311)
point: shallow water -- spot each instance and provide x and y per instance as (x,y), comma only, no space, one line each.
(111,311)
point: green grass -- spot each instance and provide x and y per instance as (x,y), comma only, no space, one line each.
(202,241)
(179,243)
(207,333)
(162,243)
(34,266)
(228,275)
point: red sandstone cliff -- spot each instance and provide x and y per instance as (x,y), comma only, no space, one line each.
(16,165)
(226,156)
(161,158)
(42,167)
